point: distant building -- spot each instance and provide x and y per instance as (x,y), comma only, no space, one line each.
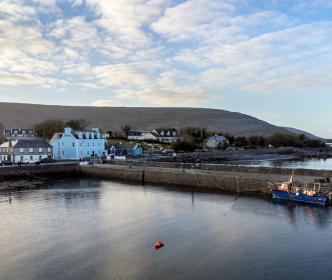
(78,144)
(140,135)
(23,150)
(108,134)
(215,141)
(16,133)
(130,150)
(166,135)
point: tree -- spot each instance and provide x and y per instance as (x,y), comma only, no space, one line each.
(126,129)
(257,141)
(48,128)
(195,135)
(184,146)
(80,124)
(2,133)
(241,141)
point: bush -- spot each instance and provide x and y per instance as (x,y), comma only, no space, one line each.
(184,146)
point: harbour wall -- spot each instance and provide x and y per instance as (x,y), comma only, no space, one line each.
(223,167)
(226,178)
(241,179)
(39,171)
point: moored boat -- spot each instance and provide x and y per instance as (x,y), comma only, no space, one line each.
(291,191)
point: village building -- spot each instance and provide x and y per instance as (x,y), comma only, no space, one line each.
(166,135)
(216,141)
(25,151)
(128,150)
(140,135)
(78,145)
(18,133)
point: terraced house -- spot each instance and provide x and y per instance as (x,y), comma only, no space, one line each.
(23,150)
(78,144)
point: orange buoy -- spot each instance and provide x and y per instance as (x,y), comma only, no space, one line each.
(158,245)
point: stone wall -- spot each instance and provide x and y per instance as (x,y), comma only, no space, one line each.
(243,182)
(225,167)
(36,171)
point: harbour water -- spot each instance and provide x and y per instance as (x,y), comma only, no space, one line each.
(318,164)
(89,229)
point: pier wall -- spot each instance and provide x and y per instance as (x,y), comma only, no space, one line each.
(36,171)
(223,167)
(246,180)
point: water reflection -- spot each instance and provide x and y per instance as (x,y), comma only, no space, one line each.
(104,230)
(319,164)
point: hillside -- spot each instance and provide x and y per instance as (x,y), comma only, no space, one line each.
(306,134)
(27,115)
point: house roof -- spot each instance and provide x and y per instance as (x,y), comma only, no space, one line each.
(136,132)
(76,134)
(128,146)
(33,143)
(6,144)
(56,136)
(218,138)
(25,143)
(163,132)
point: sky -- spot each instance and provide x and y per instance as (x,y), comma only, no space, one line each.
(269,59)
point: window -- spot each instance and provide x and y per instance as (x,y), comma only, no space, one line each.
(62,144)
(49,150)
(63,153)
(40,150)
(21,158)
(31,157)
(81,144)
(88,144)
(73,144)
(30,150)
(93,144)
(21,150)
(58,144)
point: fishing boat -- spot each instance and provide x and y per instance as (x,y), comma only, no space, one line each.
(290,190)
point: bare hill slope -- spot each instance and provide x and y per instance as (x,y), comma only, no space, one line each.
(27,115)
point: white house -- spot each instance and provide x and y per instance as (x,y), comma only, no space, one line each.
(166,135)
(140,135)
(215,141)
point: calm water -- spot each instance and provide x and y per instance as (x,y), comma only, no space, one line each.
(320,164)
(105,230)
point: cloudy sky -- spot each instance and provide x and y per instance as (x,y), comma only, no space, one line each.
(270,59)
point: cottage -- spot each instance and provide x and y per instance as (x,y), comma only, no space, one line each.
(23,150)
(166,135)
(78,144)
(129,150)
(216,141)
(140,135)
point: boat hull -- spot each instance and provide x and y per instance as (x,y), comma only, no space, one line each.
(293,196)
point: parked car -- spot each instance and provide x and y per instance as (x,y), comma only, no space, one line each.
(31,161)
(6,162)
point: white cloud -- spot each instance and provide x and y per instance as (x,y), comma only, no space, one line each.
(177,97)
(278,62)
(125,19)
(134,75)
(190,18)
